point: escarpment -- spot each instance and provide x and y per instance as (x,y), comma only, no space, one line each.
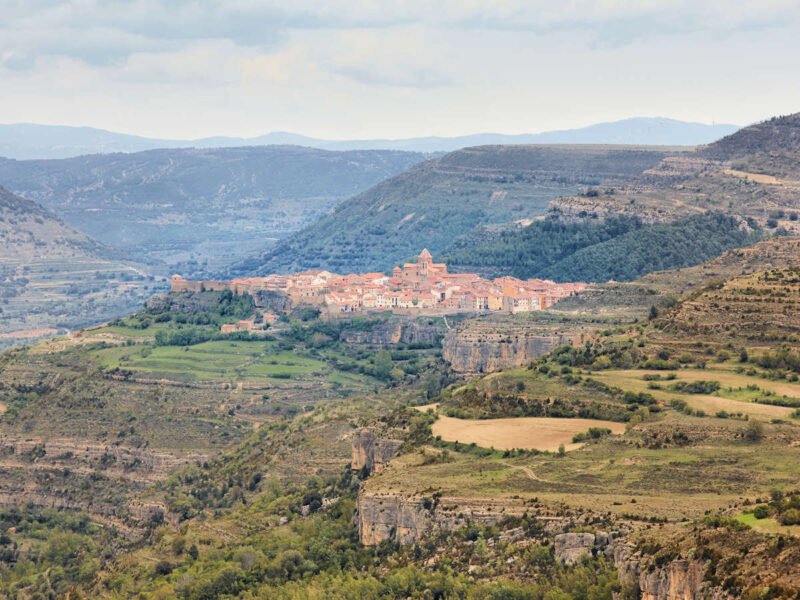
(483,346)
(407,519)
(678,579)
(424,332)
(371,452)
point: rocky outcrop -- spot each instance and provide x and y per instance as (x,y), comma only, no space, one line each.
(393,332)
(371,453)
(272,300)
(93,454)
(483,346)
(679,579)
(571,547)
(406,520)
(583,209)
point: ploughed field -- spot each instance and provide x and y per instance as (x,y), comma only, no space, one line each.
(526,433)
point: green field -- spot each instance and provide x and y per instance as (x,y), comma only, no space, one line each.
(768,525)
(228,361)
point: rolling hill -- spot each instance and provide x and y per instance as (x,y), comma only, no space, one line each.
(752,173)
(28,230)
(750,180)
(53,277)
(442,199)
(191,206)
(31,141)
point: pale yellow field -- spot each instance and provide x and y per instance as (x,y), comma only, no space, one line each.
(529,433)
(632,380)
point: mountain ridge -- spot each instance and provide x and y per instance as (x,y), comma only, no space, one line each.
(439,200)
(196,204)
(32,141)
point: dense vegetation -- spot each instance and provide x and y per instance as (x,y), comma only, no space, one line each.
(443,199)
(620,248)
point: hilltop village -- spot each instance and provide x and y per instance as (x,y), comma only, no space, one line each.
(423,287)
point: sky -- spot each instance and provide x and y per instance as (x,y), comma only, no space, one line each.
(372,69)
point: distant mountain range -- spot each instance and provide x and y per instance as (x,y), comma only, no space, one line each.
(30,141)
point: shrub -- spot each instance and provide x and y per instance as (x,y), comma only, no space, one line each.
(761,511)
(790,517)
(696,387)
(754,431)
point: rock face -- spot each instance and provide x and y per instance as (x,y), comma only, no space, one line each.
(407,519)
(371,452)
(393,332)
(571,547)
(483,346)
(272,300)
(679,579)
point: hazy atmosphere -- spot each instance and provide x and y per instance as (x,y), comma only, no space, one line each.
(399,300)
(180,69)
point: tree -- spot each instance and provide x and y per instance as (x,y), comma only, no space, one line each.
(653,314)
(383,365)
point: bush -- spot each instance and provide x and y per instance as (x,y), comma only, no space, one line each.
(761,511)
(593,433)
(754,431)
(790,517)
(696,387)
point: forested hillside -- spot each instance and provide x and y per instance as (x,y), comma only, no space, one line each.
(620,248)
(443,199)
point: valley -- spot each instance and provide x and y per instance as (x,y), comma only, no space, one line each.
(399,301)
(608,451)
(198,209)
(636,437)
(54,278)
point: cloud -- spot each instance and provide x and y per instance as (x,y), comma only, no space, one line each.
(108,31)
(370,68)
(415,77)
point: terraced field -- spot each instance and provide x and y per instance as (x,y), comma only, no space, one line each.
(44,297)
(726,399)
(211,361)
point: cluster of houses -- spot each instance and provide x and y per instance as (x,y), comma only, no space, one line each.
(423,287)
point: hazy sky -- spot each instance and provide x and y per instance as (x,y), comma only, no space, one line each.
(362,68)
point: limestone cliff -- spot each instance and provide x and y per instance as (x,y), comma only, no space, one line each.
(371,452)
(407,519)
(679,579)
(486,345)
(396,331)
